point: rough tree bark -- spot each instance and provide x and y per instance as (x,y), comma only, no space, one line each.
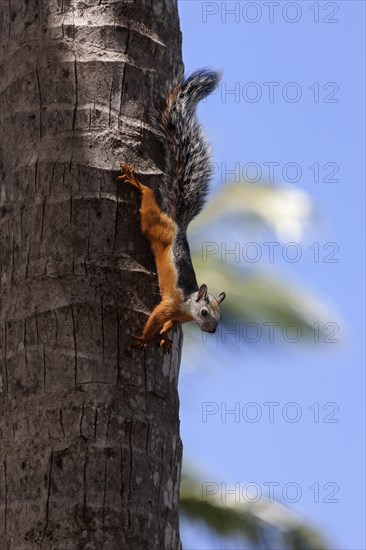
(90,450)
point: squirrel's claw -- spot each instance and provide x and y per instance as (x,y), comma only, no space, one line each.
(166,344)
(129,175)
(128,168)
(141,342)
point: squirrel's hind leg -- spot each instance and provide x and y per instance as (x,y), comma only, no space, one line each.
(159,228)
(129,177)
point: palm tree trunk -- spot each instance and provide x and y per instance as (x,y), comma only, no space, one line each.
(90,451)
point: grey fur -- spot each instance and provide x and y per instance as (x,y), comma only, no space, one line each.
(188,156)
(187,281)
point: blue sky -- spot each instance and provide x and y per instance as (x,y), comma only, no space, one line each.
(322,64)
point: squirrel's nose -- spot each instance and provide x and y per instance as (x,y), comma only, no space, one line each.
(208,327)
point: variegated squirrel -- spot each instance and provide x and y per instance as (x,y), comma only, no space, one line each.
(183,191)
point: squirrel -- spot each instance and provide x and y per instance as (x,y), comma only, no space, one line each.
(183,192)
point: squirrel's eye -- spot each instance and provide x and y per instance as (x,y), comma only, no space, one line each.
(204,312)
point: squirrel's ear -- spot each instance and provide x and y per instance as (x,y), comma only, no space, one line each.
(221,297)
(202,293)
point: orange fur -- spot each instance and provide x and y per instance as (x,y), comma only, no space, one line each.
(161,230)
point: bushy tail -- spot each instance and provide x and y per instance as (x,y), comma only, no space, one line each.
(188,169)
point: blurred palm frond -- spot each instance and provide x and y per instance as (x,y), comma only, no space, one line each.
(259,523)
(284,210)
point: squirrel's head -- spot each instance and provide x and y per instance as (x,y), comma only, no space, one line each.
(205,309)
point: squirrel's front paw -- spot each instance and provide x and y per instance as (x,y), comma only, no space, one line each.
(166,344)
